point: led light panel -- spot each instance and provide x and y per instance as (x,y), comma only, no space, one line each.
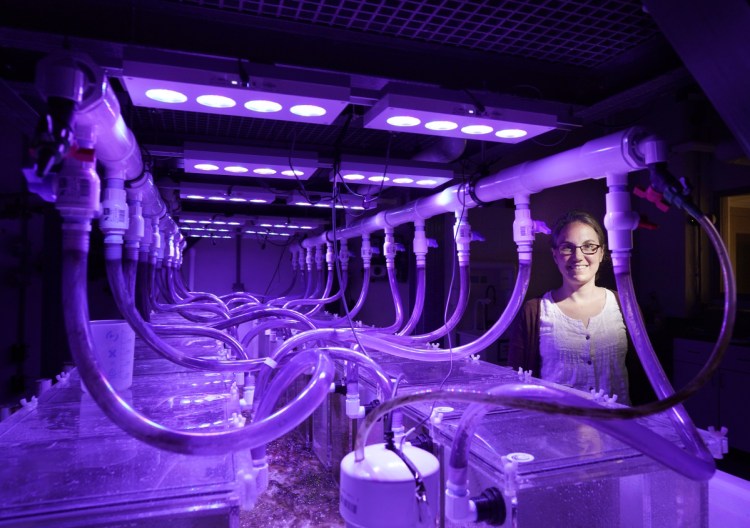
(216,86)
(369,172)
(249,162)
(206,192)
(423,115)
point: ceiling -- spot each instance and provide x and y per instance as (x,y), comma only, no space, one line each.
(597,62)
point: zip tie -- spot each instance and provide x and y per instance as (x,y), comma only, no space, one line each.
(270,362)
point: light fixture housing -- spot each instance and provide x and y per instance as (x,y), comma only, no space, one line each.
(248,162)
(256,90)
(485,116)
(240,195)
(401,173)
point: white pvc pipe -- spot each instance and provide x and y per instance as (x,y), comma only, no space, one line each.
(614,154)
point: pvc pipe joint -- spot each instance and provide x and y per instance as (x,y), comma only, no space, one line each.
(77,187)
(420,243)
(366,251)
(462,231)
(459,507)
(620,220)
(344,255)
(114,217)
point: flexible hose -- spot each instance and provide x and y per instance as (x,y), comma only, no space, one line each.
(458,312)
(284,420)
(416,312)
(113,255)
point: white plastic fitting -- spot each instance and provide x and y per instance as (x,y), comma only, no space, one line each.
(344,255)
(366,251)
(310,258)
(462,232)
(114,219)
(354,410)
(459,507)
(389,247)
(420,243)
(77,185)
(654,150)
(329,255)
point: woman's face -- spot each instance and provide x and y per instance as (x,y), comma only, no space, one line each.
(577,268)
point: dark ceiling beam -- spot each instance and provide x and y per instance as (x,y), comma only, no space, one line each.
(713,40)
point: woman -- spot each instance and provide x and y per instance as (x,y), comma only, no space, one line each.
(575,335)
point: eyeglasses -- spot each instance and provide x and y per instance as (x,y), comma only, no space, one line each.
(586,249)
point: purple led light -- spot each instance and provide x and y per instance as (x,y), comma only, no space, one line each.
(215,101)
(206,167)
(403,180)
(379,179)
(263,106)
(476,130)
(189,221)
(236,169)
(426,182)
(166,96)
(440,110)
(403,121)
(353,177)
(511,133)
(258,200)
(318,101)
(294,172)
(233,223)
(195,197)
(264,171)
(308,110)
(217,198)
(304,204)
(441,125)
(237,199)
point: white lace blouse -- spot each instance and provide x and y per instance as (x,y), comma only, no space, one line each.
(582,357)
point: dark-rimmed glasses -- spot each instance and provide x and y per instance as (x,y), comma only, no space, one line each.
(586,249)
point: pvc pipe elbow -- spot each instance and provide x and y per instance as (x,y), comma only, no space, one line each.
(354,410)
(458,505)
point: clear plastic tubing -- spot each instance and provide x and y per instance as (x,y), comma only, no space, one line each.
(284,420)
(113,255)
(261,311)
(202,331)
(320,296)
(374,341)
(326,298)
(398,305)
(683,424)
(389,346)
(273,323)
(348,318)
(458,313)
(416,312)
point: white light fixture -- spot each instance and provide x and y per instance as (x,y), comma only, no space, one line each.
(247,162)
(212,223)
(398,174)
(207,192)
(485,116)
(201,84)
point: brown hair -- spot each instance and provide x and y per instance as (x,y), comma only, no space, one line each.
(582,217)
